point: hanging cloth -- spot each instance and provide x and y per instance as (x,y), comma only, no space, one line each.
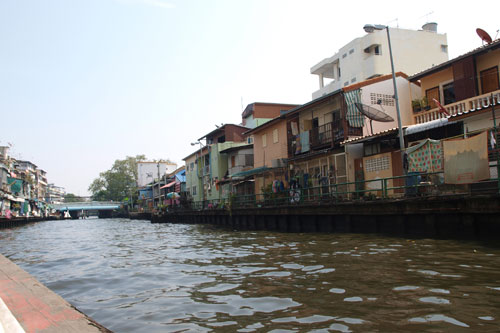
(354,117)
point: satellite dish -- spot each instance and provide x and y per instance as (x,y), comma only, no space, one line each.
(373,114)
(484,35)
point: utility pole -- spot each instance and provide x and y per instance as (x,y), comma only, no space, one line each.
(496,139)
(158,165)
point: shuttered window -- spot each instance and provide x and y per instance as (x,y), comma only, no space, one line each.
(430,94)
(489,80)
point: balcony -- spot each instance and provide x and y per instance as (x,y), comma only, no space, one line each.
(464,106)
(327,89)
(325,135)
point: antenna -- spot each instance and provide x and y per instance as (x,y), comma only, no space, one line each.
(394,20)
(427,16)
(373,114)
(485,37)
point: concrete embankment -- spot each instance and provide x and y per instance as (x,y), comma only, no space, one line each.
(26,305)
(19,221)
(443,217)
(139,216)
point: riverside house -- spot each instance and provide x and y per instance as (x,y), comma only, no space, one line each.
(207,169)
(467,87)
(270,154)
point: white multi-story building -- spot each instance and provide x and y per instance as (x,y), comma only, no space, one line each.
(147,171)
(55,194)
(368,57)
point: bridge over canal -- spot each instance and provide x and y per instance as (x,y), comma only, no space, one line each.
(77,209)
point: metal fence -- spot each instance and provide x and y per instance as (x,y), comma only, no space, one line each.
(413,185)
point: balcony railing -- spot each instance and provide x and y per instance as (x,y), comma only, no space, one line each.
(464,106)
(325,135)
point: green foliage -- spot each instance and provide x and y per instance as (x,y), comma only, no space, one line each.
(70,197)
(119,182)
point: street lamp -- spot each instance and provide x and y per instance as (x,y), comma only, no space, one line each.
(202,187)
(369,28)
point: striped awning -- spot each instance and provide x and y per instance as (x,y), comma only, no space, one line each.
(168,185)
(354,117)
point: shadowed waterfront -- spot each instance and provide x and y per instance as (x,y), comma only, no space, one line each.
(136,276)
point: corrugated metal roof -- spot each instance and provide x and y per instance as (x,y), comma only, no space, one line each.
(372,136)
(412,129)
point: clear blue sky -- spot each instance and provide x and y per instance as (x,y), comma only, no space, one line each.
(86,82)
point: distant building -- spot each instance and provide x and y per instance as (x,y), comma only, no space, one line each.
(148,172)
(55,194)
(258,113)
(367,57)
(4,153)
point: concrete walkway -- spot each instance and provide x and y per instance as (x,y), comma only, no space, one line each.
(26,305)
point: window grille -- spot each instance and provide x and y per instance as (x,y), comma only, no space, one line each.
(377,164)
(387,100)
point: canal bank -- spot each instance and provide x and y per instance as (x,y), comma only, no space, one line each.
(29,306)
(20,221)
(461,217)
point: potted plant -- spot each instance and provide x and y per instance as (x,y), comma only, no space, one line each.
(425,104)
(416,105)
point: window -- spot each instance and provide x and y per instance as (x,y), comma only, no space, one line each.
(377,50)
(194,190)
(275,135)
(372,149)
(346,83)
(344,55)
(377,164)
(448,93)
(264,140)
(233,161)
(339,71)
(430,94)
(353,80)
(489,80)
(381,99)
(191,166)
(249,160)
(250,140)
(444,48)
(351,51)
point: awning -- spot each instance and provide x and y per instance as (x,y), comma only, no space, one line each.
(250,172)
(168,185)
(412,129)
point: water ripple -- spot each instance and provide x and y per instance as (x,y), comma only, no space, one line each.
(134,276)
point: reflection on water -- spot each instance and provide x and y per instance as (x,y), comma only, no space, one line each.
(135,276)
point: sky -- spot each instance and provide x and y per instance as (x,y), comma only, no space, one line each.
(86,82)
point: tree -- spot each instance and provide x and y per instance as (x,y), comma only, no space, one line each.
(70,197)
(117,183)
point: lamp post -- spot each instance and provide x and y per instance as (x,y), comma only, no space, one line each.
(202,189)
(369,28)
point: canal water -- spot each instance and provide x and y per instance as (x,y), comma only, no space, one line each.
(134,276)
